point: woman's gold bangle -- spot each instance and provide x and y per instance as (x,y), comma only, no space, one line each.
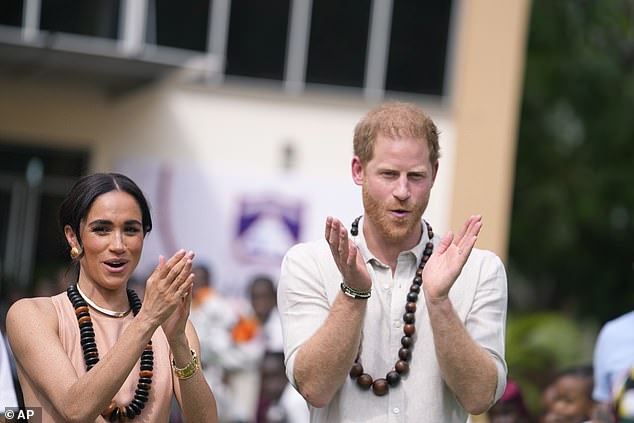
(189,370)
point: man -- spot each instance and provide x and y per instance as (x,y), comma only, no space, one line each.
(613,363)
(359,345)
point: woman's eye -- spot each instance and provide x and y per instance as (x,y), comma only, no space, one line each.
(100,229)
(132,230)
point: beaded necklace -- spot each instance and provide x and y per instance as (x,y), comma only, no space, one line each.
(381,386)
(113,412)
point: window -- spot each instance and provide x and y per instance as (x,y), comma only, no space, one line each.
(11,12)
(373,46)
(418,46)
(182,24)
(257,38)
(98,18)
(338,42)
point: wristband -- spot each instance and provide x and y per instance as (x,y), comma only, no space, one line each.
(354,293)
(189,370)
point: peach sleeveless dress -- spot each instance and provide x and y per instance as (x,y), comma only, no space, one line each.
(107,331)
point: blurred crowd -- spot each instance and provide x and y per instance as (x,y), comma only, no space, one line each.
(243,360)
(597,392)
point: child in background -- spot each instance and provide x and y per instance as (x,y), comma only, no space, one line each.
(571,397)
(510,408)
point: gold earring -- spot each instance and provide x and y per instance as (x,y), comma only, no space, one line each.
(74,253)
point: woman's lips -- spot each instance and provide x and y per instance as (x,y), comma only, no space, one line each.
(116,266)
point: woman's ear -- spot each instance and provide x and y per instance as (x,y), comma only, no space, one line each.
(71,238)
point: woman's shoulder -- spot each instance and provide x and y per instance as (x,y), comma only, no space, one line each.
(32,305)
(31,312)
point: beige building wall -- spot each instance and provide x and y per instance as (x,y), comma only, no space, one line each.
(489,70)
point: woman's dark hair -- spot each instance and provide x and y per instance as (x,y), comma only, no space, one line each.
(77,203)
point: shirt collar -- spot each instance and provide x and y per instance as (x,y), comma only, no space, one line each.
(361,244)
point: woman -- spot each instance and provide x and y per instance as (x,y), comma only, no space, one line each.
(93,353)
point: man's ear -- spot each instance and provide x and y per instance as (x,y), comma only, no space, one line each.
(434,172)
(357,171)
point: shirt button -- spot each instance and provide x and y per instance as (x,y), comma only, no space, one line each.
(397,324)
(396,410)
(386,287)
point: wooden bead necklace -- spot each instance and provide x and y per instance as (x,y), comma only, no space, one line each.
(113,412)
(381,386)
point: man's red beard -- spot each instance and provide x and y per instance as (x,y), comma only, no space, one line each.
(392,228)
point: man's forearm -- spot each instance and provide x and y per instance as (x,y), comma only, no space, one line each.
(466,367)
(324,361)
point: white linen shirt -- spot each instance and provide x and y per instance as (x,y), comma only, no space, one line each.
(310,282)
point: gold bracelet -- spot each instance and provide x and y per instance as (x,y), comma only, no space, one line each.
(189,370)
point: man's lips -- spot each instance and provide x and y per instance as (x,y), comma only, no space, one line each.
(400,212)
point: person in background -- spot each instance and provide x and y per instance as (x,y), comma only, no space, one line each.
(570,399)
(277,397)
(279,401)
(92,353)
(613,360)
(510,408)
(214,318)
(391,322)
(263,296)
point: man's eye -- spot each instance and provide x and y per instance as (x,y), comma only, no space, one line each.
(132,230)
(100,229)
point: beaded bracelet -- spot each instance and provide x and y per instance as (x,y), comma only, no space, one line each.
(354,293)
(189,370)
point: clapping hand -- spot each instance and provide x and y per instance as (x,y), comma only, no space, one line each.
(446,263)
(346,255)
(168,292)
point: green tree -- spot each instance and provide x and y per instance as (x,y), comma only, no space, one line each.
(572,230)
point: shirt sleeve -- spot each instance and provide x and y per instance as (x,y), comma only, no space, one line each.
(302,301)
(486,321)
(602,389)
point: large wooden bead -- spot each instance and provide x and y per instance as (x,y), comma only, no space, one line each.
(409,329)
(364,381)
(356,370)
(138,403)
(380,387)
(405,354)
(393,378)
(401,367)
(106,412)
(407,341)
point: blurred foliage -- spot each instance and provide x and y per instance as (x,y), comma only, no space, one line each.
(540,345)
(572,232)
